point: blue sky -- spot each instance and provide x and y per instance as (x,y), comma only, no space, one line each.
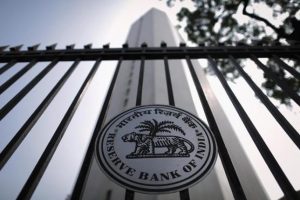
(64,22)
(71,21)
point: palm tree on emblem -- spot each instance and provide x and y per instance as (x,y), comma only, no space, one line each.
(146,144)
(154,127)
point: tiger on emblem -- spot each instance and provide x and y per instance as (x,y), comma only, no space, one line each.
(145,144)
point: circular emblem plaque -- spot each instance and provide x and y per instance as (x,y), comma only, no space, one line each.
(156,149)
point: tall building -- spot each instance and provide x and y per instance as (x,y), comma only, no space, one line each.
(53,106)
(154,28)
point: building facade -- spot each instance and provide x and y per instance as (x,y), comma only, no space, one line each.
(153,28)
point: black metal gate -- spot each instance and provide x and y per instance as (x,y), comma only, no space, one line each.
(33,56)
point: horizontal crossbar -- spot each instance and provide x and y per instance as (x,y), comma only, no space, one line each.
(149,53)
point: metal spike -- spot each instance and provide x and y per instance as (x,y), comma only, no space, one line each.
(2,48)
(88,46)
(106,46)
(125,45)
(33,48)
(241,44)
(144,44)
(16,48)
(51,47)
(163,44)
(70,47)
(182,44)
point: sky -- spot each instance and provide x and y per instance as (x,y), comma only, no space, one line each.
(67,22)
(100,22)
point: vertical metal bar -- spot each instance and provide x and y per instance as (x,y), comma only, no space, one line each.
(271,162)
(30,122)
(108,195)
(232,177)
(169,82)
(18,97)
(280,82)
(184,194)
(129,195)
(15,77)
(289,129)
(282,64)
(81,180)
(45,158)
(140,83)
(7,66)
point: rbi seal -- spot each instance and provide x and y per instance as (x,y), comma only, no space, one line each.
(156,149)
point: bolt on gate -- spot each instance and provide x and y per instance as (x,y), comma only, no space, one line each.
(11,56)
